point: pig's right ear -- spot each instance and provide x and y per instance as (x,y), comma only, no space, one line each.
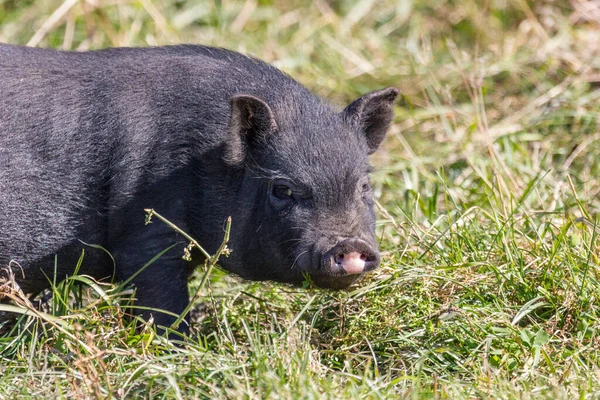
(251,122)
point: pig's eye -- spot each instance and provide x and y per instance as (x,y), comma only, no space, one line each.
(283,192)
(366,187)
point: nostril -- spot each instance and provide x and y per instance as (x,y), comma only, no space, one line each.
(351,256)
(352,262)
(339,258)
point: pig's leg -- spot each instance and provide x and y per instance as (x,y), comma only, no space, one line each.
(163,284)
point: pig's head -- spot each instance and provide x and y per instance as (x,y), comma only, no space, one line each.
(304,204)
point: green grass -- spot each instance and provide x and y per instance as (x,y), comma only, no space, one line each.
(488,188)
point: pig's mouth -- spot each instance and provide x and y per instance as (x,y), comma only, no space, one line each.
(345,263)
(334,282)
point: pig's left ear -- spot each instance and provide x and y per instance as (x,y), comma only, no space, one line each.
(251,121)
(373,113)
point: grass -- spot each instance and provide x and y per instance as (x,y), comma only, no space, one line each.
(488,188)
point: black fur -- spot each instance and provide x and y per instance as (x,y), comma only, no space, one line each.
(88,140)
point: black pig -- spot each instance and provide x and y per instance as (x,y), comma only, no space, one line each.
(89,140)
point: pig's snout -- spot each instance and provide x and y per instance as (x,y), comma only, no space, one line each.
(352,263)
(351,257)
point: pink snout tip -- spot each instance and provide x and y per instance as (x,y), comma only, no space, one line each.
(352,263)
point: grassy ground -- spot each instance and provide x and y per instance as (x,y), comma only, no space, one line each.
(488,190)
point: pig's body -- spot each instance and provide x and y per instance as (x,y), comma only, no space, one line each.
(88,140)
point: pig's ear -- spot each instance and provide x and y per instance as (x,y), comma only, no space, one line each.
(373,113)
(251,121)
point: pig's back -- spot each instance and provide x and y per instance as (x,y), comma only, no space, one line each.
(81,132)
